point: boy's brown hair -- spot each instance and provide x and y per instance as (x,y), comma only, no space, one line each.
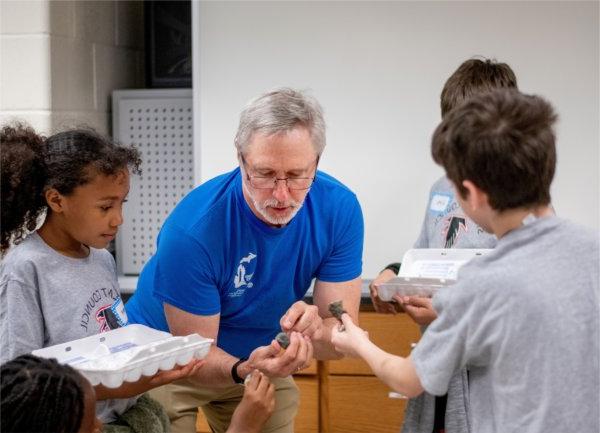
(472,77)
(502,141)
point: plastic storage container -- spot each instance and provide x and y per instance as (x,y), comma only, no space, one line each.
(127,353)
(424,271)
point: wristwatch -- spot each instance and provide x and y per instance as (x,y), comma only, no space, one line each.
(234,374)
(394,267)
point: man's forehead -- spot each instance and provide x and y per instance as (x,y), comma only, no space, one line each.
(294,150)
(284,164)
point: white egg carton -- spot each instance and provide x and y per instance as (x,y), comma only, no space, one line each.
(127,353)
(424,271)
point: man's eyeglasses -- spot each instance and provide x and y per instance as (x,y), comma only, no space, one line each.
(293,183)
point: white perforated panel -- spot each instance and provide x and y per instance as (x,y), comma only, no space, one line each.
(159,124)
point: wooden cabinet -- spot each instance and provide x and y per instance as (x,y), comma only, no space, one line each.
(307,420)
(352,398)
(201,424)
(344,396)
(361,404)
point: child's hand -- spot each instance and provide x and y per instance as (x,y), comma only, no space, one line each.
(256,406)
(379,305)
(146,383)
(349,340)
(178,372)
(418,308)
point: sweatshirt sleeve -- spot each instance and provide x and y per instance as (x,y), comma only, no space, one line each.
(21,318)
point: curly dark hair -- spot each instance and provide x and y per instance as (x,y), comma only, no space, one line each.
(31,164)
(40,395)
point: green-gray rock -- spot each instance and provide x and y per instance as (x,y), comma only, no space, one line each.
(283,340)
(336,309)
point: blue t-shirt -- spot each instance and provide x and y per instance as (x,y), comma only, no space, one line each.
(214,256)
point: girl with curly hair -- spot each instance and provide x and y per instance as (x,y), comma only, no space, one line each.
(58,283)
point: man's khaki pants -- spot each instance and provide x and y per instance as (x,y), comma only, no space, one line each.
(181,400)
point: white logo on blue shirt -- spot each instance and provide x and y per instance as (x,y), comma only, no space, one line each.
(243,277)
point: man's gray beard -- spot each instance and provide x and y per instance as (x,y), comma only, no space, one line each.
(262,210)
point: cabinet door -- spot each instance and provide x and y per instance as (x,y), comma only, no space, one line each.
(393,333)
(201,424)
(362,404)
(307,420)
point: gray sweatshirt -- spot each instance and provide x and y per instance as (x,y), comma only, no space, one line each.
(47,298)
(524,320)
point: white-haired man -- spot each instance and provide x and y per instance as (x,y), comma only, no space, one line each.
(238,254)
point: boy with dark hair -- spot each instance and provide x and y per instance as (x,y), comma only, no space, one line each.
(446,226)
(475,76)
(524,317)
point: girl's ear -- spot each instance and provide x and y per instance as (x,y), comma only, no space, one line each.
(55,200)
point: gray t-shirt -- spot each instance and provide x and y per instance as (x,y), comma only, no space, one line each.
(524,319)
(445,224)
(47,298)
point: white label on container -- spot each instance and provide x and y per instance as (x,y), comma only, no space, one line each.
(76,360)
(436,269)
(122,347)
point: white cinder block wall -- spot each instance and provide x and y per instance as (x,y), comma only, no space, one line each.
(60,60)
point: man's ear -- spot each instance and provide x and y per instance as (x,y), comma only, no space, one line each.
(55,200)
(475,198)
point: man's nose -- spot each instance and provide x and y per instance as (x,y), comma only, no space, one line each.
(281,191)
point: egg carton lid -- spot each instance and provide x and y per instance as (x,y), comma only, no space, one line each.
(126,353)
(425,270)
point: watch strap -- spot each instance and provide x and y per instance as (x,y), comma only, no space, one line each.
(234,373)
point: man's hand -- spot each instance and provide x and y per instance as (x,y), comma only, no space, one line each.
(303,318)
(146,383)
(418,308)
(256,406)
(350,339)
(273,361)
(379,305)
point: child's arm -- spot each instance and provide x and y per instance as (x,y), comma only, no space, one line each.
(397,372)
(146,383)
(256,406)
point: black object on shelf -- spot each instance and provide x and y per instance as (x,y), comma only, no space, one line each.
(168,50)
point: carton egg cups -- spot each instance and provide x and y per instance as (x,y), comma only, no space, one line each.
(132,372)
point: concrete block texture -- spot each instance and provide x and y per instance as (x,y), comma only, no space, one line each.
(41,121)
(115,68)
(25,72)
(130,24)
(72,67)
(62,120)
(24,17)
(50,122)
(61,60)
(95,21)
(36,17)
